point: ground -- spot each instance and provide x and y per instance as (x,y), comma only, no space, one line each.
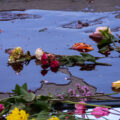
(69,5)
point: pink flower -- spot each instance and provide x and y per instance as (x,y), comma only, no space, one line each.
(1,107)
(80,109)
(54,64)
(100,111)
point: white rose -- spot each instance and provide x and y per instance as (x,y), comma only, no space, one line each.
(38,53)
(103,29)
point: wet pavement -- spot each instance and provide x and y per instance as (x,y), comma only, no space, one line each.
(55,32)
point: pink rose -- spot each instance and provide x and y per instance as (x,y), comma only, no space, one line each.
(54,64)
(100,111)
(1,107)
(80,109)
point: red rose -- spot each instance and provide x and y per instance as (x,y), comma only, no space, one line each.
(44,59)
(54,64)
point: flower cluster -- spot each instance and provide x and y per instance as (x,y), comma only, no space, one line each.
(46,59)
(17,114)
(16,54)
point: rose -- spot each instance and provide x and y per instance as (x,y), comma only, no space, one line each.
(80,109)
(38,53)
(1,107)
(98,29)
(54,64)
(44,59)
(100,112)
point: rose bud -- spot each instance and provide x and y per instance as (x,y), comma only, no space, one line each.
(54,64)
(1,107)
(116,84)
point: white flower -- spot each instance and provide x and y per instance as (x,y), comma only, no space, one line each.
(38,53)
(103,29)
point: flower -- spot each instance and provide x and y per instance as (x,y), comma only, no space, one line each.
(38,53)
(15,54)
(82,47)
(100,112)
(97,35)
(116,84)
(80,109)
(54,64)
(98,29)
(44,59)
(1,108)
(51,57)
(54,118)
(17,114)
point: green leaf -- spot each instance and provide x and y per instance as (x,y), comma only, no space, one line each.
(88,57)
(44,115)
(29,97)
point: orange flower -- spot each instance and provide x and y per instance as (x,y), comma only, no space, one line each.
(82,47)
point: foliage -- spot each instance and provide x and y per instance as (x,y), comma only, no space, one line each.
(108,42)
(36,107)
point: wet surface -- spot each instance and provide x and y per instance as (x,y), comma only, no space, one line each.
(45,32)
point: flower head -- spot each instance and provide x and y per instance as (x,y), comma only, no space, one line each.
(1,107)
(44,59)
(54,118)
(38,53)
(100,112)
(98,29)
(17,114)
(54,64)
(80,109)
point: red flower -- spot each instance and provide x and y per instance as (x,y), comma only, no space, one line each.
(54,64)
(1,107)
(100,112)
(80,109)
(51,57)
(44,59)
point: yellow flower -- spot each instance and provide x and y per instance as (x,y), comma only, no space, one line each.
(54,118)
(17,114)
(116,84)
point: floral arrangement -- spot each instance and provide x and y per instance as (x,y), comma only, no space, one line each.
(25,105)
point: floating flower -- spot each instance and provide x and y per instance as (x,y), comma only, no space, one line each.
(54,64)
(100,112)
(82,47)
(1,108)
(97,35)
(38,53)
(116,84)
(16,53)
(44,59)
(17,114)
(98,29)
(51,57)
(80,109)
(54,118)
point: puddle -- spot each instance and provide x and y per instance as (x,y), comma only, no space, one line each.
(45,31)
